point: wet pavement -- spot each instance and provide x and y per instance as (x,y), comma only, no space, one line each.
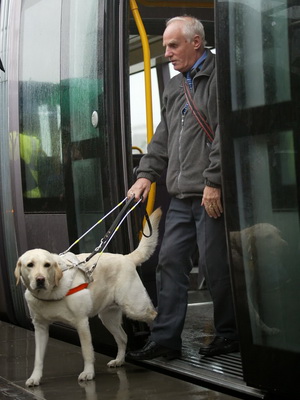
(64,363)
(198,327)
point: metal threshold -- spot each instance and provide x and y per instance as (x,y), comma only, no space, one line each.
(221,373)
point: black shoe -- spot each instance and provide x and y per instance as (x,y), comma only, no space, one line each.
(220,345)
(152,350)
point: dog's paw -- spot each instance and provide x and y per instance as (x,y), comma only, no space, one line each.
(86,375)
(34,380)
(115,363)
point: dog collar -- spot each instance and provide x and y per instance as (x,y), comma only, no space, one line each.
(77,289)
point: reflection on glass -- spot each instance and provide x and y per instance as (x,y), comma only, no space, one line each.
(82,73)
(267,248)
(87,196)
(82,91)
(40,117)
(259,53)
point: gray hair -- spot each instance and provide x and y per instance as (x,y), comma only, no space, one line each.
(192,26)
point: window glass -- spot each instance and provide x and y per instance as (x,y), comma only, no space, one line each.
(172,71)
(259,53)
(40,115)
(138,107)
(82,66)
(270,235)
(264,59)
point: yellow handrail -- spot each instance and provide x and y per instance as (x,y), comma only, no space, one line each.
(158,3)
(148,90)
(137,148)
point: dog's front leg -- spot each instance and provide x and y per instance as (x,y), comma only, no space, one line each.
(85,337)
(41,334)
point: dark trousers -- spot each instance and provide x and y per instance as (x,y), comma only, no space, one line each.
(187,223)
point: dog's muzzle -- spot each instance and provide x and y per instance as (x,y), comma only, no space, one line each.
(40,282)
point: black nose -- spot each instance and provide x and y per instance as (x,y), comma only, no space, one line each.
(40,282)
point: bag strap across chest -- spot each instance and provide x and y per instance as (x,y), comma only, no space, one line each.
(198,114)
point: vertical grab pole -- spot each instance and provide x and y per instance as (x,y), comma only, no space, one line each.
(148,91)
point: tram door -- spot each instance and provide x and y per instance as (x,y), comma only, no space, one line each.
(73,157)
(93,178)
(71,150)
(258,50)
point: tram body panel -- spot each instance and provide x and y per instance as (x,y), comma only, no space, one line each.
(66,155)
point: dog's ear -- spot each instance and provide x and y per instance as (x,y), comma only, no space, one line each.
(18,271)
(58,274)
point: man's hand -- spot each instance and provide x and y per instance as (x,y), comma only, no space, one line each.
(140,188)
(211,200)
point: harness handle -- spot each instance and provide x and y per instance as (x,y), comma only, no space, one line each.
(114,227)
(127,208)
(91,228)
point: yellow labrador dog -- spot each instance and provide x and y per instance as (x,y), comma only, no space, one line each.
(57,290)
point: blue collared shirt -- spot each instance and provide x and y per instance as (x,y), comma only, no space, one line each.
(198,64)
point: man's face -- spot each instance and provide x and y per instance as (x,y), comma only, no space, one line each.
(182,53)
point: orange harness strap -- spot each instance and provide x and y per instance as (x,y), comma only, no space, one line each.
(77,288)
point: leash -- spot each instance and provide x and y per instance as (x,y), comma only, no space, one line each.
(90,229)
(126,210)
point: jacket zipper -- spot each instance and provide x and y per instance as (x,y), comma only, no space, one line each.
(179,150)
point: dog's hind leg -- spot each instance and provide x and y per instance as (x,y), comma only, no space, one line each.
(126,297)
(85,337)
(41,334)
(112,319)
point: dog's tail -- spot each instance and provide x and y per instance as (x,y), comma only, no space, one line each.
(147,245)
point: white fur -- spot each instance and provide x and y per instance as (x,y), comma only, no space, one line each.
(116,289)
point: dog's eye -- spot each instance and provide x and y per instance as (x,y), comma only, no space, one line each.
(47,265)
(30,265)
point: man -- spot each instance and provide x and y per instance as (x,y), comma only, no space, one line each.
(192,159)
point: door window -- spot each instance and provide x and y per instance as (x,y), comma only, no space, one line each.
(40,112)
(263,124)
(259,53)
(83,124)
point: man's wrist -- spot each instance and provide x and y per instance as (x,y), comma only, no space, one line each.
(212,184)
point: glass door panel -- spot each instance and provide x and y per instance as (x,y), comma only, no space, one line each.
(269,236)
(258,73)
(82,90)
(39,107)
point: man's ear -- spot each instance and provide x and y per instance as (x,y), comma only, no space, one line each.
(197,42)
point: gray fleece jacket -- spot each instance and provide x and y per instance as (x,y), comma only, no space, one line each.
(179,143)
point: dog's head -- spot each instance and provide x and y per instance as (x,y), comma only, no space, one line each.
(263,242)
(264,238)
(38,269)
